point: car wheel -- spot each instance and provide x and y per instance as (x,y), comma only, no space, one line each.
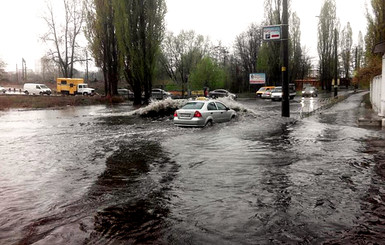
(209,123)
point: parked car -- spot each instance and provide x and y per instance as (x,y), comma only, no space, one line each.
(126,93)
(221,93)
(159,94)
(262,90)
(199,113)
(310,92)
(2,90)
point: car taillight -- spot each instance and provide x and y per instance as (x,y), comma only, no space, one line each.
(175,114)
(197,114)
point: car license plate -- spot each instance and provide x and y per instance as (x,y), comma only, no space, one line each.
(185,115)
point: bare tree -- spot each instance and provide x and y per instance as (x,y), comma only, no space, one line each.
(181,55)
(49,69)
(2,66)
(63,36)
(327,27)
(101,34)
(247,46)
(346,49)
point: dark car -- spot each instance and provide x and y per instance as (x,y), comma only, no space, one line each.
(221,93)
(310,92)
(126,93)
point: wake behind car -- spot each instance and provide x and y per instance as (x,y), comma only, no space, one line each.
(221,93)
(199,113)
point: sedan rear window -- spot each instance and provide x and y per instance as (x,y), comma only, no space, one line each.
(193,105)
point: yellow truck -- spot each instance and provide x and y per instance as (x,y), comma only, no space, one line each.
(73,86)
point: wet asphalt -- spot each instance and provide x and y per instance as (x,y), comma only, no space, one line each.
(97,175)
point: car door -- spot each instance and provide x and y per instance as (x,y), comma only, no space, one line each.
(223,112)
(213,112)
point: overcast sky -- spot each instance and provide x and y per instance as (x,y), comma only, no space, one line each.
(221,20)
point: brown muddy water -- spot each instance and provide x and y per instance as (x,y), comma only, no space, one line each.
(98,175)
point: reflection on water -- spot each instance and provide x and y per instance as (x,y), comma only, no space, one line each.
(95,176)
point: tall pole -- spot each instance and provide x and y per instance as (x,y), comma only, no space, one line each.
(335,64)
(285,61)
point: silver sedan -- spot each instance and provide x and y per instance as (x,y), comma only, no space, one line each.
(200,113)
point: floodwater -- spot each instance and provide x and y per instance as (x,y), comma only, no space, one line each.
(94,175)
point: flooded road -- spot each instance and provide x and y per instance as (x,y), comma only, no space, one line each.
(94,175)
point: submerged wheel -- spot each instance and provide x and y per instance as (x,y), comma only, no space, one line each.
(209,123)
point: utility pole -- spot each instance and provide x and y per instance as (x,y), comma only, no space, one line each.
(285,61)
(24,69)
(335,64)
(86,66)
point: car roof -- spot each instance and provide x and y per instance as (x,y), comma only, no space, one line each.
(203,99)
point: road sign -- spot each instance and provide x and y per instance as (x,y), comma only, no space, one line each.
(271,33)
(257,78)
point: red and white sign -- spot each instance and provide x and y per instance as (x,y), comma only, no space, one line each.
(271,33)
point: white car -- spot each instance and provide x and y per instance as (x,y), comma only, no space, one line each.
(276,93)
(35,89)
(199,113)
(159,94)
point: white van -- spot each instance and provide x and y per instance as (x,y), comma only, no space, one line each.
(35,88)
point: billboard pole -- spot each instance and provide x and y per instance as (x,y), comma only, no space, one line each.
(285,61)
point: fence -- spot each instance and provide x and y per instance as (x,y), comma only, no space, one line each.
(375,93)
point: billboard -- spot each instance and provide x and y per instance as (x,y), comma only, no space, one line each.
(257,78)
(271,33)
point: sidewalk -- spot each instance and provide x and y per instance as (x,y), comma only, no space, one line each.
(370,118)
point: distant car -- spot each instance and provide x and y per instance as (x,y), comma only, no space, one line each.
(276,93)
(159,94)
(199,113)
(221,93)
(126,93)
(310,92)
(2,90)
(36,88)
(262,90)
(267,93)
